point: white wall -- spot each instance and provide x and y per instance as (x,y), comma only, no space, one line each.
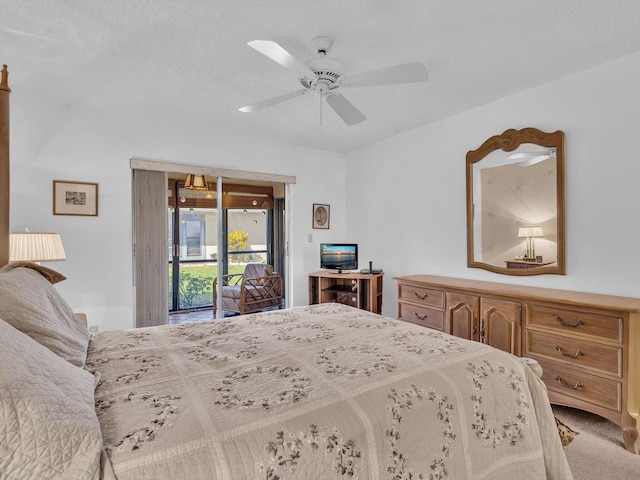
(406,195)
(79,143)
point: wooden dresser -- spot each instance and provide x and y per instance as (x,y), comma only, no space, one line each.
(588,344)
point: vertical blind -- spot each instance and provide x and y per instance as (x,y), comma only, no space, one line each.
(151,276)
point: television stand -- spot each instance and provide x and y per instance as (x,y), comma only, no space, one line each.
(350,288)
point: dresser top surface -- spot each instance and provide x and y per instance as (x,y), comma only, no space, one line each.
(525,292)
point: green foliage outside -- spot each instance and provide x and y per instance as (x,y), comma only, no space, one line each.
(192,287)
(195,283)
(237,240)
(195,279)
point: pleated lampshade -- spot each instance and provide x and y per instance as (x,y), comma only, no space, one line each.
(530,232)
(35,247)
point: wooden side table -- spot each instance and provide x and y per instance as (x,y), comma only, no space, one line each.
(360,290)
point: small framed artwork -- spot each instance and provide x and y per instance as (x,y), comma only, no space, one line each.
(75,198)
(320,215)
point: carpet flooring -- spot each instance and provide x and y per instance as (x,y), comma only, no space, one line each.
(598,452)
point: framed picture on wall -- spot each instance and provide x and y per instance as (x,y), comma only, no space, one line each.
(75,198)
(320,215)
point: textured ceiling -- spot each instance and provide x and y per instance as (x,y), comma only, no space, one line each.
(189,58)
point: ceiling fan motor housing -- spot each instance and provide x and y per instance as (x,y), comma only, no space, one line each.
(328,72)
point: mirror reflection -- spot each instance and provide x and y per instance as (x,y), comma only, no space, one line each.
(515,207)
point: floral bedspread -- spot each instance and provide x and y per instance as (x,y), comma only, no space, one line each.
(318,392)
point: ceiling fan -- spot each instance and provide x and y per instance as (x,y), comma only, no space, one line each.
(325,77)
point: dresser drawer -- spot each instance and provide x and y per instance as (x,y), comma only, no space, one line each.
(601,326)
(427,317)
(604,358)
(423,296)
(584,386)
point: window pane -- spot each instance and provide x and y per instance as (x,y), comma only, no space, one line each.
(247,236)
(198,263)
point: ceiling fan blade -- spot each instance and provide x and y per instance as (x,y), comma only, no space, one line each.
(345,109)
(407,73)
(271,101)
(278,54)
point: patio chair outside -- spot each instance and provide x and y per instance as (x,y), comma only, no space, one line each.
(258,288)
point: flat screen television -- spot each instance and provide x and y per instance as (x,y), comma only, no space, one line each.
(339,256)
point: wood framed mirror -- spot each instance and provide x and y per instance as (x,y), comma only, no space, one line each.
(515,203)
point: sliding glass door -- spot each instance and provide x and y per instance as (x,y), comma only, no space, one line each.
(177,230)
(192,257)
(192,240)
(247,236)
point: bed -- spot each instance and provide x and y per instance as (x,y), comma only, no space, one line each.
(314,392)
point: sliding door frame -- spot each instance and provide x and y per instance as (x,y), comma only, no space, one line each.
(153,263)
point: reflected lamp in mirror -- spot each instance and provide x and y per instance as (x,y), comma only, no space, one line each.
(195,182)
(503,197)
(35,247)
(530,233)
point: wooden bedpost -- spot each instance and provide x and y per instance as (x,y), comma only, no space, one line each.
(4,166)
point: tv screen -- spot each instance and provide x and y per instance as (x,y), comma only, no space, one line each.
(339,256)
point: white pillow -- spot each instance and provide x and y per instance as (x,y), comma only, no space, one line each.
(31,304)
(48,424)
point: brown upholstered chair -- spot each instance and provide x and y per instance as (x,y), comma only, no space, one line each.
(258,288)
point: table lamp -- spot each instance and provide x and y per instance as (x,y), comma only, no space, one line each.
(35,247)
(530,233)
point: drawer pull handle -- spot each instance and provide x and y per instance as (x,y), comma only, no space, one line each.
(575,355)
(566,385)
(420,317)
(421,297)
(565,324)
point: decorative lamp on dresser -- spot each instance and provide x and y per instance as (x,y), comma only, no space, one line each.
(587,344)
